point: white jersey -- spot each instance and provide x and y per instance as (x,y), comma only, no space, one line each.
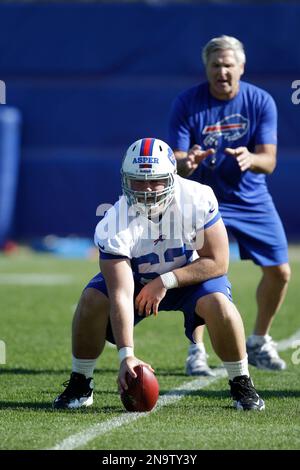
(156,248)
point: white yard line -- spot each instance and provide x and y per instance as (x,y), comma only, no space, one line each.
(84,437)
(288,343)
(35,279)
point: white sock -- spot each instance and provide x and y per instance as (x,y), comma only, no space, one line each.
(84,366)
(234,369)
(197,347)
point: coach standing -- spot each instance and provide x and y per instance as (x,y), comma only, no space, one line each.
(224,134)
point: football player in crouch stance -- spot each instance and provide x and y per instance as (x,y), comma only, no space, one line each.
(163,246)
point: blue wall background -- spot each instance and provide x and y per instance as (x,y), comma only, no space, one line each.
(90,79)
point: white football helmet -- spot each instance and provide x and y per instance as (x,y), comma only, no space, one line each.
(149,159)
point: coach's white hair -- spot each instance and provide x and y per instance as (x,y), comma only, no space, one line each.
(224,43)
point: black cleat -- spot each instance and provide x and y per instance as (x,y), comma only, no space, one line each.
(244,394)
(78,393)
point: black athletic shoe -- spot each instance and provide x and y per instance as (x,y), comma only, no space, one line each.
(78,392)
(244,394)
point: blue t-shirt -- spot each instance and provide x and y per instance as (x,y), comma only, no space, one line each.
(247,120)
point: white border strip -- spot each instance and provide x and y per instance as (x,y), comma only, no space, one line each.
(84,437)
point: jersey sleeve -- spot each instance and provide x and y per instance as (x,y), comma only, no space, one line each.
(111,248)
(179,131)
(267,124)
(211,213)
(111,242)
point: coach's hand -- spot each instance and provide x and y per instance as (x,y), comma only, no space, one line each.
(150,297)
(243,157)
(194,157)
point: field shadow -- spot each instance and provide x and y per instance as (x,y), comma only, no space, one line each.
(279,393)
(33,406)
(25,371)
(172,372)
(197,393)
(224,393)
(106,392)
(41,406)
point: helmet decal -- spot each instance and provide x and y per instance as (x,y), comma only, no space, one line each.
(171,156)
(147,147)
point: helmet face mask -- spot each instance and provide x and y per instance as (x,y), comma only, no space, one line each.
(149,160)
(149,202)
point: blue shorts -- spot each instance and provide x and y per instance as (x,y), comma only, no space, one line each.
(258,231)
(183,299)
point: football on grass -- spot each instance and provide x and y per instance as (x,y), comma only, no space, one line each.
(142,393)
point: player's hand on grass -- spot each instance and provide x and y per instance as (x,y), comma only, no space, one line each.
(243,157)
(150,296)
(127,367)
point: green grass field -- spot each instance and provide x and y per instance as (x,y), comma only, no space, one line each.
(35,326)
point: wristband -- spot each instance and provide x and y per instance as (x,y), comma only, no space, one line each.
(125,352)
(169,280)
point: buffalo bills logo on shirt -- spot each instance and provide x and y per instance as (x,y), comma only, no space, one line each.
(231,128)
